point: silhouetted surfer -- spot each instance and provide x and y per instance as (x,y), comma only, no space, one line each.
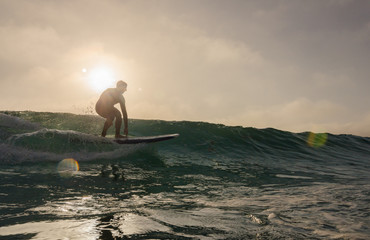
(105,108)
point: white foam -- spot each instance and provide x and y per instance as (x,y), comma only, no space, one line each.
(50,133)
(14,155)
(55,145)
(292,176)
(15,122)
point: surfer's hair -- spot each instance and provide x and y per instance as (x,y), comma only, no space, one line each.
(121,83)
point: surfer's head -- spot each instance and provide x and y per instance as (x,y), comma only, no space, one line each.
(121,85)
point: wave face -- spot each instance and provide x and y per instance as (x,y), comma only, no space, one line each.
(212,182)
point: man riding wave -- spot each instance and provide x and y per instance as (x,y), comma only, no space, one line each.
(105,108)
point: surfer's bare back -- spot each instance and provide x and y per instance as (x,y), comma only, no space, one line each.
(105,108)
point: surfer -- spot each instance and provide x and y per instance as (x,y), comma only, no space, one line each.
(105,108)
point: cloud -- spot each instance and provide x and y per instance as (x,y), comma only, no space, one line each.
(360,127)
(299,115)
(28,45)
(221,51)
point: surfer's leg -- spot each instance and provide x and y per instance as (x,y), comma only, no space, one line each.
(107,124)
(109,114)
(118,117)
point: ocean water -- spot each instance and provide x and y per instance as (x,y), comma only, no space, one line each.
(60,180)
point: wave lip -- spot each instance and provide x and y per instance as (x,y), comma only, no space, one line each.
(17,123)
(56,145)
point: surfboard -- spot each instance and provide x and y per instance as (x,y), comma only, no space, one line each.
(146,139)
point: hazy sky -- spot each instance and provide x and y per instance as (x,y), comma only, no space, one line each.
(292,65)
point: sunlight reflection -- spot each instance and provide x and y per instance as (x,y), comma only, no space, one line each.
(67,167)
(59,229)
(317,139)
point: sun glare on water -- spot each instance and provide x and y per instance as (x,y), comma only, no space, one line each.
(100,78)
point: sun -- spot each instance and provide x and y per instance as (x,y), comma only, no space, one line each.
(100,78)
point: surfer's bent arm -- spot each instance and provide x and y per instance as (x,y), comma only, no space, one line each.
(124,113)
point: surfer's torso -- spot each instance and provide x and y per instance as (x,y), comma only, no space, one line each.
(110,97)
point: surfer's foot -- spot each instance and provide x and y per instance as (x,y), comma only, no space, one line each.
(120,136)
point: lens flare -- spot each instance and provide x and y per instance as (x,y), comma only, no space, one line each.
(317,139)
(67,167)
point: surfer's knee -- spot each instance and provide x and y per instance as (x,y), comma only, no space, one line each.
(118,116)
(109,122)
